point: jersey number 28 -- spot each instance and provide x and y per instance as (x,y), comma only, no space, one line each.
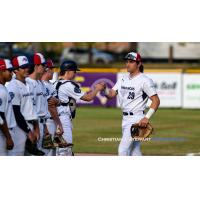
(131,95)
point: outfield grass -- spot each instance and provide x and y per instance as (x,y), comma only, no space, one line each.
(177,131)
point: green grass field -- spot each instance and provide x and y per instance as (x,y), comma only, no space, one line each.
(177,131)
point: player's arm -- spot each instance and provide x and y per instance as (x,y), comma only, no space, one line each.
(110,93)
(91,95)
(6,133)
(36,129)
(149,89)
(21,122)
(52,106)
(155,102)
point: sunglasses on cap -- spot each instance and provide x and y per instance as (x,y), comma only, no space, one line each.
(130,57)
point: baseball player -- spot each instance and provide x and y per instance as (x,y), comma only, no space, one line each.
(53,123)
(133,91)
(68,92)
(25,114)
(38,88)
(6,111)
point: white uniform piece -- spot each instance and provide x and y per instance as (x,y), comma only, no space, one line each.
(6,107)
(21,96)
(66,91)
(1,121)
(40,101)
(133,94)
(51,125)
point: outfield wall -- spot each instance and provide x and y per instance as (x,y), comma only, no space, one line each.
(175,88)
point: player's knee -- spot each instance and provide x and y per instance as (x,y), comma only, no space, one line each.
(136,150)
(122,151)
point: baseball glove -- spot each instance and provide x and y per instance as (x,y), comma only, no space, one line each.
(60,142)
(31,148)
(47,142)
(138,132)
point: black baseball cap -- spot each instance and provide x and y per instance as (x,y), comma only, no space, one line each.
(69,65)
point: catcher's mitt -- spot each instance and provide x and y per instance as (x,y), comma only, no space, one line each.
(47,142)
(31,148)
(60,142)
(138,132)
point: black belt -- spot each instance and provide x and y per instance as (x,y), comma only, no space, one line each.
(41,120)
(127,113)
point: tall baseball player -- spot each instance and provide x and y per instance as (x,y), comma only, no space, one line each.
(53,123)
(6,111)
(24,111)
(133,90)
(38,88)
(68,92)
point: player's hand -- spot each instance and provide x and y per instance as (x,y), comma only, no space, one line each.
(60,130)
(9,143)
(37,134)
(31,136)
(143,122)
(53,101)
(100,86)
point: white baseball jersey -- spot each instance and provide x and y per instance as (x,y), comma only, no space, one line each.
(40,99)
(50,90)
(133,93)
(22,96)
(6,106)
(67,90)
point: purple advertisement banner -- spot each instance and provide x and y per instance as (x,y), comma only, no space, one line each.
(87,81)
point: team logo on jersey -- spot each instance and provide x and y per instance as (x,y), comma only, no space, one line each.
(47,92)
(127,88)
(12,95)
(1,102)
(77,90)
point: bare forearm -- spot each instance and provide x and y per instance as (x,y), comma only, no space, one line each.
(5,130)
(110,93)
(90,95)
(54,114)
(153,107)
(155,103)
(36,125)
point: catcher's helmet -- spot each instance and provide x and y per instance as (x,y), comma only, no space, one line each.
(69,65)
